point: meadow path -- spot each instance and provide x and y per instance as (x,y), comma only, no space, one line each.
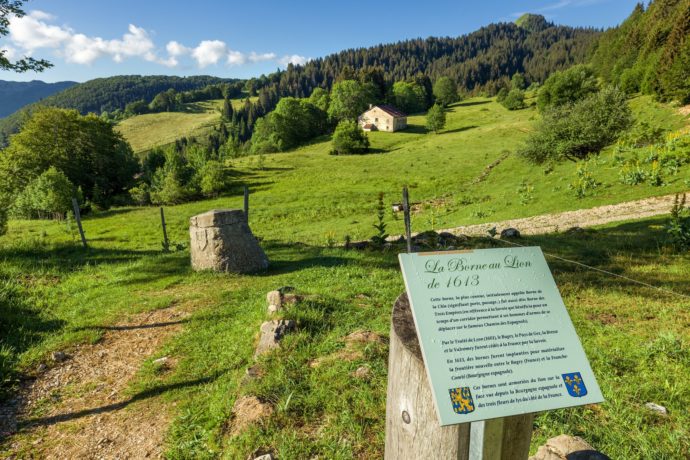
(548,223)
(81,407)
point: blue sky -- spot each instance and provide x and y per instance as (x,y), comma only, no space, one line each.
(90,39)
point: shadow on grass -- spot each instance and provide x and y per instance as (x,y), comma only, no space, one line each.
(59,418)
(629,249)
(65,257)
(458,130)
(469,104)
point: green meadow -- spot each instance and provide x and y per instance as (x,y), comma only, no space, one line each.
(303,205)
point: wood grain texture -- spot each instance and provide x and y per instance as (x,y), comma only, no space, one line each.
(412,428)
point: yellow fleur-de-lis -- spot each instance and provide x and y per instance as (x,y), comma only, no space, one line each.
(577,379)
(576,389)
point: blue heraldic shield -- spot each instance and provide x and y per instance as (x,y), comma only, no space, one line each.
(575,385)
(462,400)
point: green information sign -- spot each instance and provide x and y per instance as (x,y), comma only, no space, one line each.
(496,337)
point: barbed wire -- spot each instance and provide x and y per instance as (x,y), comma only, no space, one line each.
(589,267)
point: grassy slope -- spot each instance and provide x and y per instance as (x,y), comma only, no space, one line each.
(144,132)
(635,338)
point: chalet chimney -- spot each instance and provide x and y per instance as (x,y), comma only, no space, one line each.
(371,106)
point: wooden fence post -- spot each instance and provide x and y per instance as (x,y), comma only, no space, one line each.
(408,223)
(166,243)
(77,217)
(412,427)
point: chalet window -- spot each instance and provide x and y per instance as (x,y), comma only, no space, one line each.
(376,120)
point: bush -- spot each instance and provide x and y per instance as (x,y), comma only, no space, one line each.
(515,100)
(141,194)
(568,86)
(212,178)
(49,195)
(349,138)
(446,91)
(501,95)
(436,118)
(678,227)
(575,131)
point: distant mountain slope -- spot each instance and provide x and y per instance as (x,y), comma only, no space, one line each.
(650,51)
(16,94)
(108,94)
(479,61)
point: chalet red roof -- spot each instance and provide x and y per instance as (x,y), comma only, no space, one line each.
(392,111)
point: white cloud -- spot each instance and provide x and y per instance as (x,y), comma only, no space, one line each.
(236,58)
(209,52)
(31,32)
(8,52)
(176,49)
(292,59)
(37,31)
(254,57)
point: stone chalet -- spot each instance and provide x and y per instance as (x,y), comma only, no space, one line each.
(383,118)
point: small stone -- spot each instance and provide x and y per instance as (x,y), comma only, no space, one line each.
(566,447)
(661,410)
(362,372)
(510,233)
(59,356)
(265,457)
(160,361)
(272,333)
(41,367)
(275,301)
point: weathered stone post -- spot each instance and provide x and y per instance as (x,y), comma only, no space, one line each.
(222,241)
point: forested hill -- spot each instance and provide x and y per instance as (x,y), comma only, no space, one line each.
(108,94)
(650,51)
(16,94)
(480,61)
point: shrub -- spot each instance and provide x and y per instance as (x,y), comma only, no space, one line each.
(436,118)
(575,131)
(584,181)
(141,194)
(515,100)
(678,227)
(349,138)
(632,173)
(446,91)
(568,86)
(212,178)
(501,95)
(49,195)
(379,238)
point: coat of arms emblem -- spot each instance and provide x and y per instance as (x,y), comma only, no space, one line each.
(574,384)
(462,400)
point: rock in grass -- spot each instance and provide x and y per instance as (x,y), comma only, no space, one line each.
(160,361)
(265,457)
(274,299)
(272,333)
(59,356)
(363,372)
(222,241)
(510,233)
(566,447)
(661,410)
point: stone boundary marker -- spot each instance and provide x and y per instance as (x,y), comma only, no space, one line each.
(222,241)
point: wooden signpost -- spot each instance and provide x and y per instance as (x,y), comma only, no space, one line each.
(482,342)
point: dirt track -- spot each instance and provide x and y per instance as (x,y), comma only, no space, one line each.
(79,408)
(549,223)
